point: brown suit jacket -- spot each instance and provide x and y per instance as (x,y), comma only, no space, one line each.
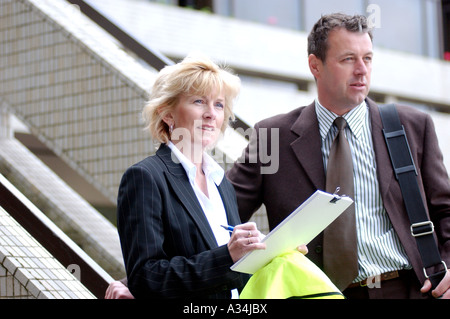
(301,173)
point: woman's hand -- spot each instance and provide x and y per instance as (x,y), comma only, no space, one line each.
(117,290)
(245,238)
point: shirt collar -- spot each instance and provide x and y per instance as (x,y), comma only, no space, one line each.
(355,119)
(210,167)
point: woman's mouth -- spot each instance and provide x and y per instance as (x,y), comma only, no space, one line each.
(207,128)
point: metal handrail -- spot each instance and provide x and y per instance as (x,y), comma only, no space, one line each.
(58,244)
(150,56)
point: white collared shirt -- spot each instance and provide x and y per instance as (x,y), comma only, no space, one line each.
(212,206)
(379,248)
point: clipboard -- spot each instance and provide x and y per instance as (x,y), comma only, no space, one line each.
(300,227)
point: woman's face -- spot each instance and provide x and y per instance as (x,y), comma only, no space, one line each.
(198,120)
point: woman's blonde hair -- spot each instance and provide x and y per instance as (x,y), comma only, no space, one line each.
(195,75)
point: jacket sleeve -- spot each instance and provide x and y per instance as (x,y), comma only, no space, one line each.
(246,178)
(437,188)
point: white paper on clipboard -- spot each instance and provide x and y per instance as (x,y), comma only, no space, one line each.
(300,227)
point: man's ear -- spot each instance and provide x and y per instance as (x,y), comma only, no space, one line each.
(315,65)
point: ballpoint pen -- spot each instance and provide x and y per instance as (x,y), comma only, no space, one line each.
(229,228)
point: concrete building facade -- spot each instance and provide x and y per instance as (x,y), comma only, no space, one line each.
(71,96)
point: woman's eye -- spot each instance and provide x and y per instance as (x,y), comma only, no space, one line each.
(219,105)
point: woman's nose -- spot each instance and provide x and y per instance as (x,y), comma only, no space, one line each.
(210,111)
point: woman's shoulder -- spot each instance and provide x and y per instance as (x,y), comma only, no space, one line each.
(150,165)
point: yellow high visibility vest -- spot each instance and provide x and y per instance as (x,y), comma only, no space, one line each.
(290,275)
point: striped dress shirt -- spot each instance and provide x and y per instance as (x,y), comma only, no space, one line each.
(379,249)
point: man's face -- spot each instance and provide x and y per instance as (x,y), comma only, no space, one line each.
(343,79)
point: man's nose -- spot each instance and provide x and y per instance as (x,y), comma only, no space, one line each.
(361,67)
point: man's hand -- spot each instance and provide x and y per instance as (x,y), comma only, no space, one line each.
(303,249)
(442,290)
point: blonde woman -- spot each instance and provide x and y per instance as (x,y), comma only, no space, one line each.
(171,205)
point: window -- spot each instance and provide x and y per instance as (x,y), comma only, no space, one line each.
(281,13)
(197,4)
(446,28)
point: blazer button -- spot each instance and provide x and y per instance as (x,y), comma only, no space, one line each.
(318,249)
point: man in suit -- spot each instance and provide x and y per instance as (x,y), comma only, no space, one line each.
(340,58)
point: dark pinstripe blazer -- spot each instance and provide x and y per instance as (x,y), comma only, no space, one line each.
(168,246)
(301,172)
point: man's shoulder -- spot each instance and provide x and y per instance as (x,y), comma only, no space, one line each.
(410,111)
(282,120)
(405,110)
(416,121)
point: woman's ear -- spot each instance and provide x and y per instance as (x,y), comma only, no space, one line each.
(170,122)
(167,117)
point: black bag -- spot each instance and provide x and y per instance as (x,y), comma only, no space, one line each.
(422,229)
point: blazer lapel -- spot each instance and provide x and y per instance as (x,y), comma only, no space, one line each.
(179,182)
(229,202)
(307,147)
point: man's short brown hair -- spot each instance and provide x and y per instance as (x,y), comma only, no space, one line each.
(318,38)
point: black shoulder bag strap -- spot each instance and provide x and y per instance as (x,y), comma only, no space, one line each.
(422,229)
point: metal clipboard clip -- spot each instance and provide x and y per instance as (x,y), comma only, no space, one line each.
(336,197)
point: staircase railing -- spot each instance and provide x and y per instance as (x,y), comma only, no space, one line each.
(92,276)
